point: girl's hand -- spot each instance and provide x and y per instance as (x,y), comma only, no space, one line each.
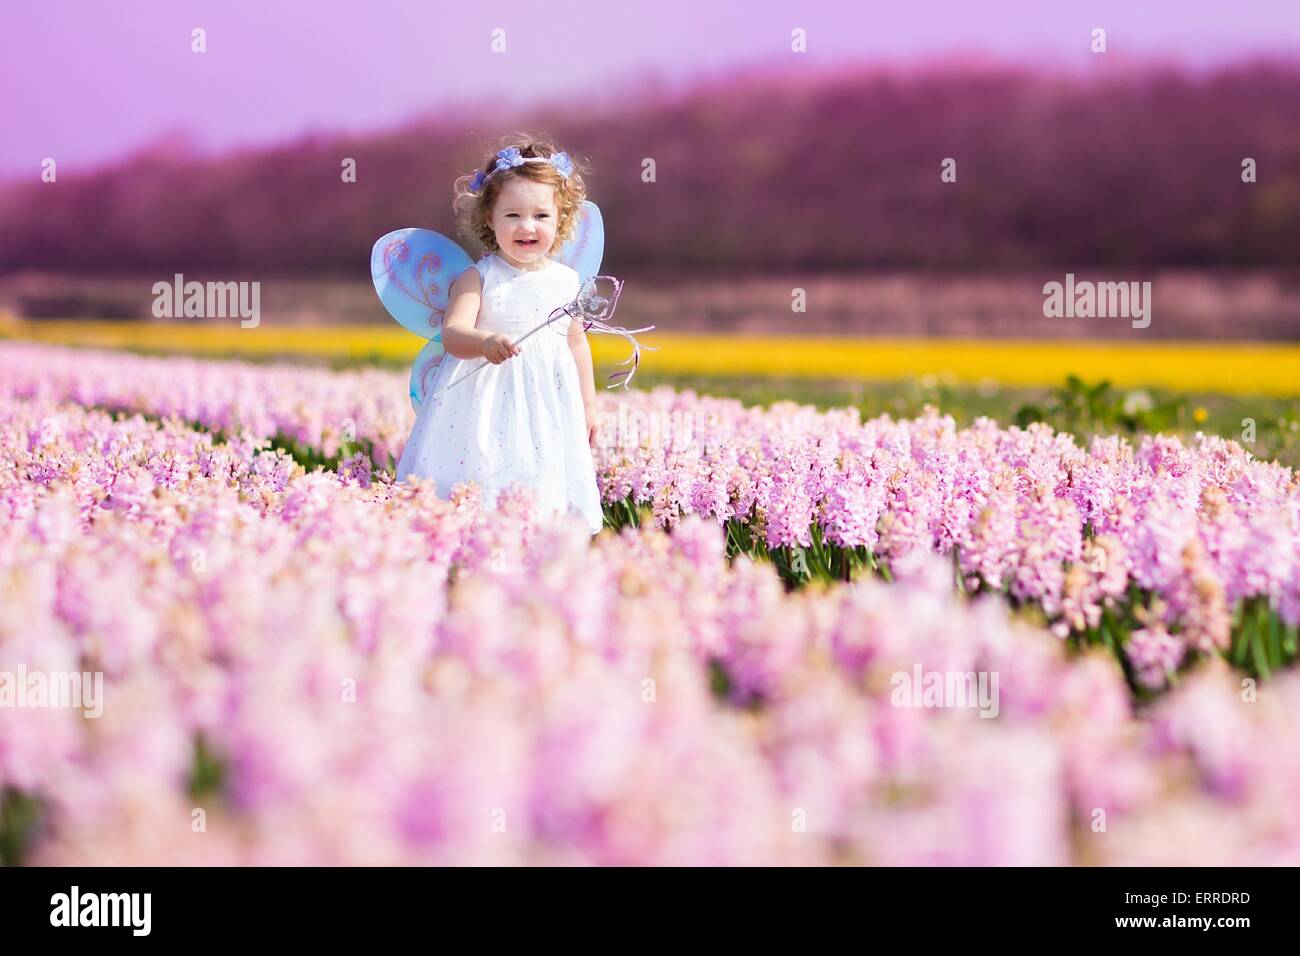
(497,348)
(589,408)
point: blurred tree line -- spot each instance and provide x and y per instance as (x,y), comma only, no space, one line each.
(765,171)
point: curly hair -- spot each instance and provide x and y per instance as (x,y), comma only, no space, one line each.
(474,210)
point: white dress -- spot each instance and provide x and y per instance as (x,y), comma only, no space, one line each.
(518,422)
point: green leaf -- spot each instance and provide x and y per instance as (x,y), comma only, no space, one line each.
(21,820)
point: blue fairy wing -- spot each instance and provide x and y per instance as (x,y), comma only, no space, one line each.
(426,363)
(586,249)
(413,270)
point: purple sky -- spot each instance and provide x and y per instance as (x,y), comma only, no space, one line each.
(86,81)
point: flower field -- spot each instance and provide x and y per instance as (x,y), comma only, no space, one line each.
(306,663)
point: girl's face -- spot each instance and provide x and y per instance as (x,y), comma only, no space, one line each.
(524,219)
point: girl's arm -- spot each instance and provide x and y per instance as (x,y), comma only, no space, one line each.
(581,350)
(459,337)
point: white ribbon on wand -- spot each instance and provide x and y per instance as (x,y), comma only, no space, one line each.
(595,325)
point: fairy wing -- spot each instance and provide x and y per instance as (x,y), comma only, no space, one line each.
(584,252)
(413,270)
(426,363)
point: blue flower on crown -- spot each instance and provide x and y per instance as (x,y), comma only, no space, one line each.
(477,182)
(509,157)
(563,164)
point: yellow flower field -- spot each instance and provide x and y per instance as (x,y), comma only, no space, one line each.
(1232,368)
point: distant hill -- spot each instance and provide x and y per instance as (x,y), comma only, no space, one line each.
(837,172)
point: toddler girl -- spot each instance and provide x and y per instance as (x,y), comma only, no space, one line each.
(529,415)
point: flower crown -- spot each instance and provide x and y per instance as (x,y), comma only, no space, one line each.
(510,157)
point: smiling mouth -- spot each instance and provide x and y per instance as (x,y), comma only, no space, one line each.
(526,242)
